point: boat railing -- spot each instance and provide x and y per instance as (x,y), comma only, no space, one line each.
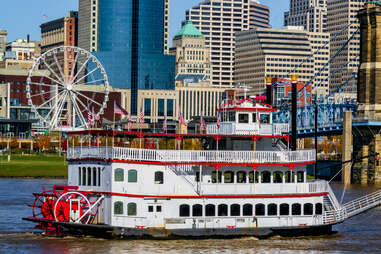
(276,129)
(191,156)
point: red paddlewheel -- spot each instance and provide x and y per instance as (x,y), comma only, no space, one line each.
(71,206)
(43,205)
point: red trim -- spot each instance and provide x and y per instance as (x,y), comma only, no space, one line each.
(249,109)
(197,163)
(216,196)
(148,135)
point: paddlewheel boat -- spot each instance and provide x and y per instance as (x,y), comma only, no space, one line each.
(238,178)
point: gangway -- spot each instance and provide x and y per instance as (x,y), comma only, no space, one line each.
(353,208)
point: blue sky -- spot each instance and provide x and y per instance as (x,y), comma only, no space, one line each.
(22,17)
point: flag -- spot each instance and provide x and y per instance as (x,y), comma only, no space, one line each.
(89,117)
(219,120)
(129,123)
(141,115)
(165,124)
(45,16)
(67,117)
(258,120)
(182,120)
(119,110)
(203,124)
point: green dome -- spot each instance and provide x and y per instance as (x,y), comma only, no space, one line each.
(189,30)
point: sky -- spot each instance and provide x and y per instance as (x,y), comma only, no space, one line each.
(22,17)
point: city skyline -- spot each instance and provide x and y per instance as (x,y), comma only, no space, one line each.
(33,15)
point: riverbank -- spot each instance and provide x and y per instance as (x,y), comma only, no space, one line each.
(33,166)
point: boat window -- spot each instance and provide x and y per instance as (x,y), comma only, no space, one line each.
(118,207)
(241,177)
(224,116)
(232,116)
(259,209)
(79,176)
(243,118)
(266,177)
(278,177)
(247,210)
(235,210)
(119,175)
(254,117)
(251,177)
(319,209)
(131,209)
(214,178)
(197,176)
(184,210)
(210,210)
(197,210)
(158,208)
(222,210)
(159,177)
(99,176)
(308,209)
(228,177)
(272,210)
(284,209)
(84,176)
(300,176)
(265,118)
(289,177)
(94,176)
(150,208)
(296,209)
(132,176)
(89,176)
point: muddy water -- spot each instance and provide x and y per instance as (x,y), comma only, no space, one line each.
(361,234)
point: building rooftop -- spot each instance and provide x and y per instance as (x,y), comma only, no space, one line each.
(189,30)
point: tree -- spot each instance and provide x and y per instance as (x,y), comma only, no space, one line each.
(43,142)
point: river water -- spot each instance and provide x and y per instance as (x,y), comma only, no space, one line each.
(361,234)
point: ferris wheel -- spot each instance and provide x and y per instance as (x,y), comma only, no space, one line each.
(67,89)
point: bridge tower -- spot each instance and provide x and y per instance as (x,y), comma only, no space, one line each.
(367,124)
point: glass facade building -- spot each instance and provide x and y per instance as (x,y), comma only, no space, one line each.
(130,46)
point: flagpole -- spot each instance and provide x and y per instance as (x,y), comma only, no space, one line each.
(114,117)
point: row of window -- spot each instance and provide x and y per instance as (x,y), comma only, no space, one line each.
(223,210)
(256,177)
(89,176)
(132,176)
(249,210)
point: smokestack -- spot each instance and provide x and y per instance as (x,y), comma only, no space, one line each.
(28,38)
(269,91)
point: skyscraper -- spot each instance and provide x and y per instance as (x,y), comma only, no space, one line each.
(259,15)
(275,52)
(311,14)
(3,42)
(341,13)
(219,21)
(128,37)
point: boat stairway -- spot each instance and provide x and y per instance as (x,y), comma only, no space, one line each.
(353,208)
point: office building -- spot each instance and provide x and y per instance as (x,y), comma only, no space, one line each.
(278,53)
(311,14)
(3,43)
(259,15)
(219,21)
(344,67)
(128,37)
(25,49)
(192,56)
(57,33)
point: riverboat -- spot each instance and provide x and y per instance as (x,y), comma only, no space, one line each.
(238,178)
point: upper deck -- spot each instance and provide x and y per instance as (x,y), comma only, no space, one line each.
(247,117)
(192,156)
